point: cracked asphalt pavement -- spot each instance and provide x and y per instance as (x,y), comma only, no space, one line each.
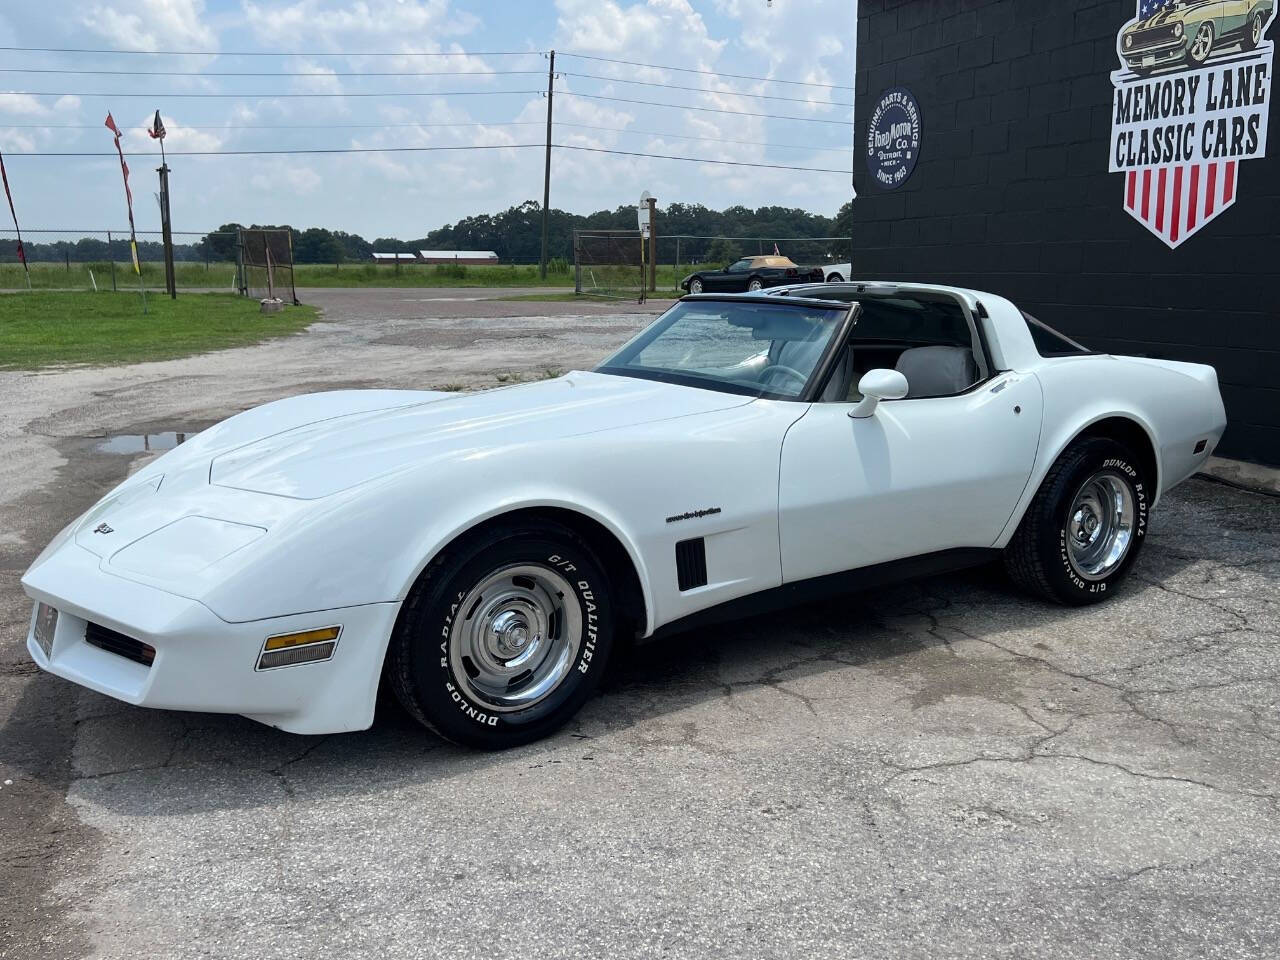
(940,769)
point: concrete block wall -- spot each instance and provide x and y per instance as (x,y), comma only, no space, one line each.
(1012,194)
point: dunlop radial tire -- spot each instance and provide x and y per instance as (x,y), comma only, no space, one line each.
(1035,558)
(422,667)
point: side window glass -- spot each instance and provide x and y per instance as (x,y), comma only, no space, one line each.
(1049,342)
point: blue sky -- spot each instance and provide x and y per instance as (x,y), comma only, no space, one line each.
(407,194)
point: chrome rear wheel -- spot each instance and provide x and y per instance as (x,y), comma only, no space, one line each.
(1084,528)
(1100,525)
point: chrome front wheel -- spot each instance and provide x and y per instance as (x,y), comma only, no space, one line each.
(695,286)
(517,637)
(1100,525)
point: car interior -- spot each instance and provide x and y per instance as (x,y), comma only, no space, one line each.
(928,339)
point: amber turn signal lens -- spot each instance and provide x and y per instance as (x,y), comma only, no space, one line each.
(298,639)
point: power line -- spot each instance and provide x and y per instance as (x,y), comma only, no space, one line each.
(287,152)
(709,73)
(283,126)
(278,73)
(685,106)
(272,96)
(397,73)
(733,93)
(423,124)
(421,93)
(495,146)
(729,163)
(281,53)
(681,136)
(415,53)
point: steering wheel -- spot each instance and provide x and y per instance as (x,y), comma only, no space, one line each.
(784,369)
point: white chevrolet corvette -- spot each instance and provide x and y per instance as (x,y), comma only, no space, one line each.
(482,554)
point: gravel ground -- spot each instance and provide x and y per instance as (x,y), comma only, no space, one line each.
(941,769)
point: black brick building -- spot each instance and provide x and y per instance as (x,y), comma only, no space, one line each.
(1012,190)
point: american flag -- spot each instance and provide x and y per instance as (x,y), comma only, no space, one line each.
(1149,8)
(1174,202)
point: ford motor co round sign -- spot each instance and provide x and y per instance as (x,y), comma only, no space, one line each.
(893,138)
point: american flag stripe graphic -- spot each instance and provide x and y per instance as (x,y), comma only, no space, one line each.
(1173,201)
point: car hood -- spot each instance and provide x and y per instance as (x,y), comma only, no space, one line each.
(1167,15)
(318,459)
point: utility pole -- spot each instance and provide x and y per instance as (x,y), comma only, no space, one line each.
(653,244)
(546,175)
(170,282)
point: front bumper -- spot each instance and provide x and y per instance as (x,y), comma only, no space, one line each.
(204,663)
(1157,55)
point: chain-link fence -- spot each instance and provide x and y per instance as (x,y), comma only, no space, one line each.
(100,260)
(610,263)
(266,264)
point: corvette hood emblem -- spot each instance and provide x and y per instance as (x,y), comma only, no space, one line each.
(103,528)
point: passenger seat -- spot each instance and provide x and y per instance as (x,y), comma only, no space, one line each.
(937,371)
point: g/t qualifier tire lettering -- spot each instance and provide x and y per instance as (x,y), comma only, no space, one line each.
(422,660)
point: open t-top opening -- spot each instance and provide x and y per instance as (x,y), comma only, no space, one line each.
(929,336)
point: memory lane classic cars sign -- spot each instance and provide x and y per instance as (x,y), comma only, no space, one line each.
(1191,104)
(893,138)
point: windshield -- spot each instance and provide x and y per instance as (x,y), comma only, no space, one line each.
(760,349)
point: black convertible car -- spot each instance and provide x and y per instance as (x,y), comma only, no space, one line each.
(751,273)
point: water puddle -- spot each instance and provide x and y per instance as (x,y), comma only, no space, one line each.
(140,442)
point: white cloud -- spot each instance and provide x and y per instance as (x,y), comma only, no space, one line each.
(178,136)
(297,179)
(151,24)
(345,26)
(23,105)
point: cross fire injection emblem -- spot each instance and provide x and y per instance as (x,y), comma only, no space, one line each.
(1191,102)
(103,528)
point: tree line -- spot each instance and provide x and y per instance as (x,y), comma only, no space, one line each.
(515,234)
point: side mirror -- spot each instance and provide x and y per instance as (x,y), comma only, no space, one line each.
(877,385)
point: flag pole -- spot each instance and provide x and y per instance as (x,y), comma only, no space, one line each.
(22,254)
(110,124)
(157,132)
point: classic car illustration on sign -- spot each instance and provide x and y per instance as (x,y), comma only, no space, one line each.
(1191,104)
(480,555)
(1177,33)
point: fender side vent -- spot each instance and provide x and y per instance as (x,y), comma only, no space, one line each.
(109,640)
(691,564)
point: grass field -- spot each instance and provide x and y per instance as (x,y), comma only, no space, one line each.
(46,328)
(221,275)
